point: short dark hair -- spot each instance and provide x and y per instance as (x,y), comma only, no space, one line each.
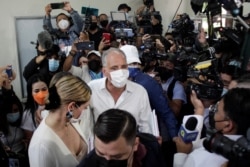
(237,108)
(231,70)
(114,123)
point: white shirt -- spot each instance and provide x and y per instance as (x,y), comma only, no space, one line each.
(82,73)
(134,99)
(46,148)
(27,121)
(199,157)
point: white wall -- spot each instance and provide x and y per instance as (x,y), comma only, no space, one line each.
(14,8)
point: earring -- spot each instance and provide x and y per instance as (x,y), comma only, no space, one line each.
(69,114)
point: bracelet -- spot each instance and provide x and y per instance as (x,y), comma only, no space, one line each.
(72,53)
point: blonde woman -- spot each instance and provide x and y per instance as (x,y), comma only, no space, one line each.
(59,141)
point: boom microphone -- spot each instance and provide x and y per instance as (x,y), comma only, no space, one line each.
(188,132)
(45,40)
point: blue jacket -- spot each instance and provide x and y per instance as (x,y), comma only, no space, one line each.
(157,101)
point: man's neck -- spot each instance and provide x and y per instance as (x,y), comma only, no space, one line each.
(114,91)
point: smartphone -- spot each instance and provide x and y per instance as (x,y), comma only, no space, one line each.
(57,5)
(9,71)
(107,36)
(86,45)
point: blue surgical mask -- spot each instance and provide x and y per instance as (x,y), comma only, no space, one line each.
(53,65)
(133,71)
(13,117)
(225,90)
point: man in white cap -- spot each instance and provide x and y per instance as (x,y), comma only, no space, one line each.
(157,99)
(90,72)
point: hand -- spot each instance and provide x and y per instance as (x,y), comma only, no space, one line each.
(5,81)
(38,114)
(159,139)
(159,45)
(103,43)
(145,37)
(198,106)
(181,146)
(48,9)
(67,6)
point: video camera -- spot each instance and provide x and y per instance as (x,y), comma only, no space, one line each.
(237,152)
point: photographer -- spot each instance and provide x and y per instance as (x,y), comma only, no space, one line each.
(47,63)
(68,27)
(230,116)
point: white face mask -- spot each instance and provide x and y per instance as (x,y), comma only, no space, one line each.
(119,78)
(75,120)
(63,24)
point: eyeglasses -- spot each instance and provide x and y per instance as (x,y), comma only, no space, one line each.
(214,109)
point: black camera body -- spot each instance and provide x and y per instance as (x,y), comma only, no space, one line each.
(237,152)
(205,91)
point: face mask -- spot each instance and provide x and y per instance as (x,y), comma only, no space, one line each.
(94,65)
(71,118)
(224,91)
(104,23)
(13,117)
(152,75)
(93,26)
(53,65)
(119,78)
(133,71)
(111,163)
(63,24)
(40,97)
(211,119)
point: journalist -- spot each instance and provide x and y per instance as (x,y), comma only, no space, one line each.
(230,116)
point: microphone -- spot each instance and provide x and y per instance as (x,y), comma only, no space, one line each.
(188,131)
(45,40)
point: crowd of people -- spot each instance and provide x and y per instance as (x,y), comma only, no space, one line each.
(93,108)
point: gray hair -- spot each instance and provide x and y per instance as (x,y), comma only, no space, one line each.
(110,51)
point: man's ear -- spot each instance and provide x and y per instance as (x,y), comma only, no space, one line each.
(136,144)
(229,126)
(104,71)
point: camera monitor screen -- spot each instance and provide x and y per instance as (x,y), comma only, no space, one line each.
(118,16)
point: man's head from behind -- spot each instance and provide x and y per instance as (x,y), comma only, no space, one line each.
(115,135)
(232,113)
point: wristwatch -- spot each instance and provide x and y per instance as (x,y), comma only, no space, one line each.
(72,53)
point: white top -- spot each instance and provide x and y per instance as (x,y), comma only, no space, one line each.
(27,121)
(82,73)
(134,99)
(46,148)
(200,157)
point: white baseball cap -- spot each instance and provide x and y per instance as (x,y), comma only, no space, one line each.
(94,52)
(131,53)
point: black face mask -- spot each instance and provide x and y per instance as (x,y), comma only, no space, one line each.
(93,26)
(102,162)
(211,119)
(104,23)
(94,65)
